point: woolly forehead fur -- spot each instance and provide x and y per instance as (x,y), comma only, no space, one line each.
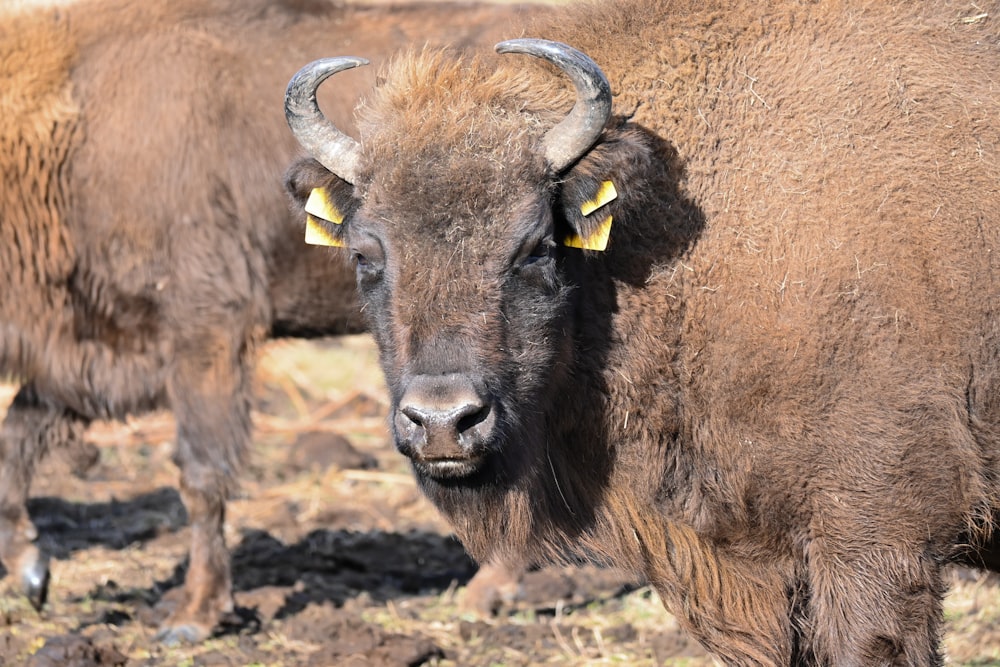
(447,137)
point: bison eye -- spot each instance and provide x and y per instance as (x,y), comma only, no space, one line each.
(368,256)
(542,250)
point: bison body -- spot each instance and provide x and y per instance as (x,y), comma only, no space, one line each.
(146,245)
(774,393)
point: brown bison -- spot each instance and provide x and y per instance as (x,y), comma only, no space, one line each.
(146,245)
(736,328)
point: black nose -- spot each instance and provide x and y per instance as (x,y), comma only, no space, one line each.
(443,417)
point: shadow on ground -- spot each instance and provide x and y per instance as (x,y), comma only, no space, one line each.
(324,566)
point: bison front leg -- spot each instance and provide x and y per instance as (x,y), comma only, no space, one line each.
(31,427)
(871,605)
(210,396)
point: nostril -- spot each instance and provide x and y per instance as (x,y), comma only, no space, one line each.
(413,414)
(473,417)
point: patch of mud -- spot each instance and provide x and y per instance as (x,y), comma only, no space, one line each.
(75,651)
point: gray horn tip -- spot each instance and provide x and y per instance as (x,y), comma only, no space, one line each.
(310,76)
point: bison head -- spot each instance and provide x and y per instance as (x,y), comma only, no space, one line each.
(475,207)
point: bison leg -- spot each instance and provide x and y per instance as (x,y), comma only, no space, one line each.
(872,606)
(210,395)
(32,426)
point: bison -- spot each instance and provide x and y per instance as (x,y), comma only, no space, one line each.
(146,243)
(725,314)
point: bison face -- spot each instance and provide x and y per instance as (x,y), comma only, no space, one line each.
(469,328)
(468,208)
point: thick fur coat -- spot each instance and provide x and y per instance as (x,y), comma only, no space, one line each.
(775,394)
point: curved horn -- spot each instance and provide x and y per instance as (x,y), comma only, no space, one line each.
(578,131)
(332,148)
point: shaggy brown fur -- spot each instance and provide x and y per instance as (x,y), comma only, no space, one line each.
(145,241)
(776,393)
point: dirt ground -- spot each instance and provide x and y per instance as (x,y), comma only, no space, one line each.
(337,558)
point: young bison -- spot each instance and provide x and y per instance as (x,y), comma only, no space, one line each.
(146,245)
(776,390)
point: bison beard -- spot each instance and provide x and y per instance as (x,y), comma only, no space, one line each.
(774,392)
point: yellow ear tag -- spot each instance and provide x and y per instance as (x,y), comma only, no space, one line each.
(605,195)
(319,206)
(316,234)
(598,239)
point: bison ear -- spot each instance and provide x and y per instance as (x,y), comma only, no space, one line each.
(323,200)
(596,188)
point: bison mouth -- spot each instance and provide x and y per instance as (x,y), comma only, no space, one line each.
(451,469)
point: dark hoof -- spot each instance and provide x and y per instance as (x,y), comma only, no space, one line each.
(178,635)
(35,579)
